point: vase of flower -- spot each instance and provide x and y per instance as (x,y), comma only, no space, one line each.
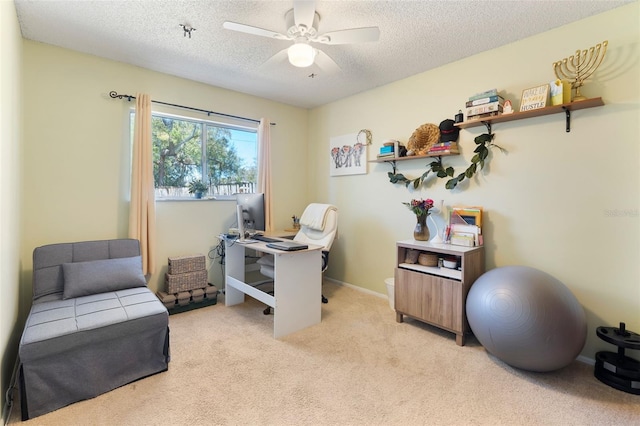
(421,231)
(421,208)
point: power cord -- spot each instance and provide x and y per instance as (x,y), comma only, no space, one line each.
(218,253)
(13,386)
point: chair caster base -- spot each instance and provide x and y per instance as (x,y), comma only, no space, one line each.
(267,311)
(324,299)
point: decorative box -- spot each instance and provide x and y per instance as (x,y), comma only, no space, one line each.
(180,265)
(177,283)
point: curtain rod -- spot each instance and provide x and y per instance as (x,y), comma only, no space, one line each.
(115,95)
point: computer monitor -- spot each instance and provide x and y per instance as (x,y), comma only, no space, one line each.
(252,211)
(240,219)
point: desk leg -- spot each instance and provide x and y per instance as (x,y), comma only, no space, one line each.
(298,291)
(234,268)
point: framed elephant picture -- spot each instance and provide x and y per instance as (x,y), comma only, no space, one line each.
(348,156)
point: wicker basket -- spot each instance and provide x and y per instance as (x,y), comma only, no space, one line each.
(423,138)
(411,256)
(177,283)
(428,259)
(180,265)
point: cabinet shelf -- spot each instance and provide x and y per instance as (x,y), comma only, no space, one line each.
(434,270)
(555,109)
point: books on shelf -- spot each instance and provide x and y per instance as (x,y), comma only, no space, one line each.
(391,148)
(465,226)
(444,144)
(481,116)
(485,94)
(487,100)
(484,105)
(443,148)
(387,155)
(485,108)
(470,215)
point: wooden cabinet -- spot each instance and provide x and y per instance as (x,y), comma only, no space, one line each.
(436,295)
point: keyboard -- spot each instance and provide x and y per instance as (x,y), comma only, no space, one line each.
(245,241)
(265,239)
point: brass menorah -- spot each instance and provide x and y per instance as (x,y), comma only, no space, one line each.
(580,66)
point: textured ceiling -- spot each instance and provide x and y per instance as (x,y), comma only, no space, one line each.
(415,36)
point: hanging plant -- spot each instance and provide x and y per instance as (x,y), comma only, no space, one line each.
(484,142)
(435,167)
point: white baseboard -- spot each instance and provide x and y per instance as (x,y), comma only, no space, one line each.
(581,358)
(361,289)
(586,360)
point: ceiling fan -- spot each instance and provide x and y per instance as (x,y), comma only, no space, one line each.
(302,28)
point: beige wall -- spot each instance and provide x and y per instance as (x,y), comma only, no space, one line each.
(10,137)
(550,203)
(77,172)
(547,201)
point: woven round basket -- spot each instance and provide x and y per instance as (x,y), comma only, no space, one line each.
(411,256)
(428,259)
(423,138)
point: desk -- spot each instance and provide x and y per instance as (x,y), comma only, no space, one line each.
(297,286)
(287,234)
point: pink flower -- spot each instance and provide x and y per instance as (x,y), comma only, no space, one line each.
(420,207)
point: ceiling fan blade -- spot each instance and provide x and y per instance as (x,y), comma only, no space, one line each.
(253,30)
(325,63)
(304,12)
(353,35)
(276,59)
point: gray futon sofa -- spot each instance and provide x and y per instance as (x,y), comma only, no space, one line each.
(93,326)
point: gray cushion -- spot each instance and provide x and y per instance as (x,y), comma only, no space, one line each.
(101,276)
(48,281)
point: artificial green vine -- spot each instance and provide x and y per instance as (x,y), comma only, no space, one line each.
(484,142)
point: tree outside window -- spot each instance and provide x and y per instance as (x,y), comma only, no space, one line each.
(224,158)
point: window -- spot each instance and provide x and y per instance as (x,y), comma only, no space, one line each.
(185,150)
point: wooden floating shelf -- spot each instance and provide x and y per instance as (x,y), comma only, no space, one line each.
(567,108)
(411,157)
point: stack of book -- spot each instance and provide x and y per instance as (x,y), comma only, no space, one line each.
(465,227)
(444,148)
(485,104)
(389,149)
(386,151)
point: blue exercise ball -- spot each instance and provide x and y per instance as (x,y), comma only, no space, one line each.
(527,318)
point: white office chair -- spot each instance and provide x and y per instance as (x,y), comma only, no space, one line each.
(318,225)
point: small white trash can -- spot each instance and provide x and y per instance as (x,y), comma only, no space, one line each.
(390,282)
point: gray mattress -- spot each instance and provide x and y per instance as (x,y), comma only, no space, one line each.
(81,347)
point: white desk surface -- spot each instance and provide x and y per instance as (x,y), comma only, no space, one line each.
(287,233)
(297,292)
(262,247)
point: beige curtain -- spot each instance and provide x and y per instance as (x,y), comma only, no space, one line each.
(264,170)
(142,213)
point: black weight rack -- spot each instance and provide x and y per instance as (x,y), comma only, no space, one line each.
(616,369)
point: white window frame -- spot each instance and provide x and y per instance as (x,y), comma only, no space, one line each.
(159,112)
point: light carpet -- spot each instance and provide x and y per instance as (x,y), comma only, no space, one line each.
(358,367)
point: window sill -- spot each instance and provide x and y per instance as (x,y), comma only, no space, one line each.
(218,198)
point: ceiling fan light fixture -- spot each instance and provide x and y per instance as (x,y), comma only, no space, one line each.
(301,54)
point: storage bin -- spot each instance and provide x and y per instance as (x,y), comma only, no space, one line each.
(181,265)
(184,282)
